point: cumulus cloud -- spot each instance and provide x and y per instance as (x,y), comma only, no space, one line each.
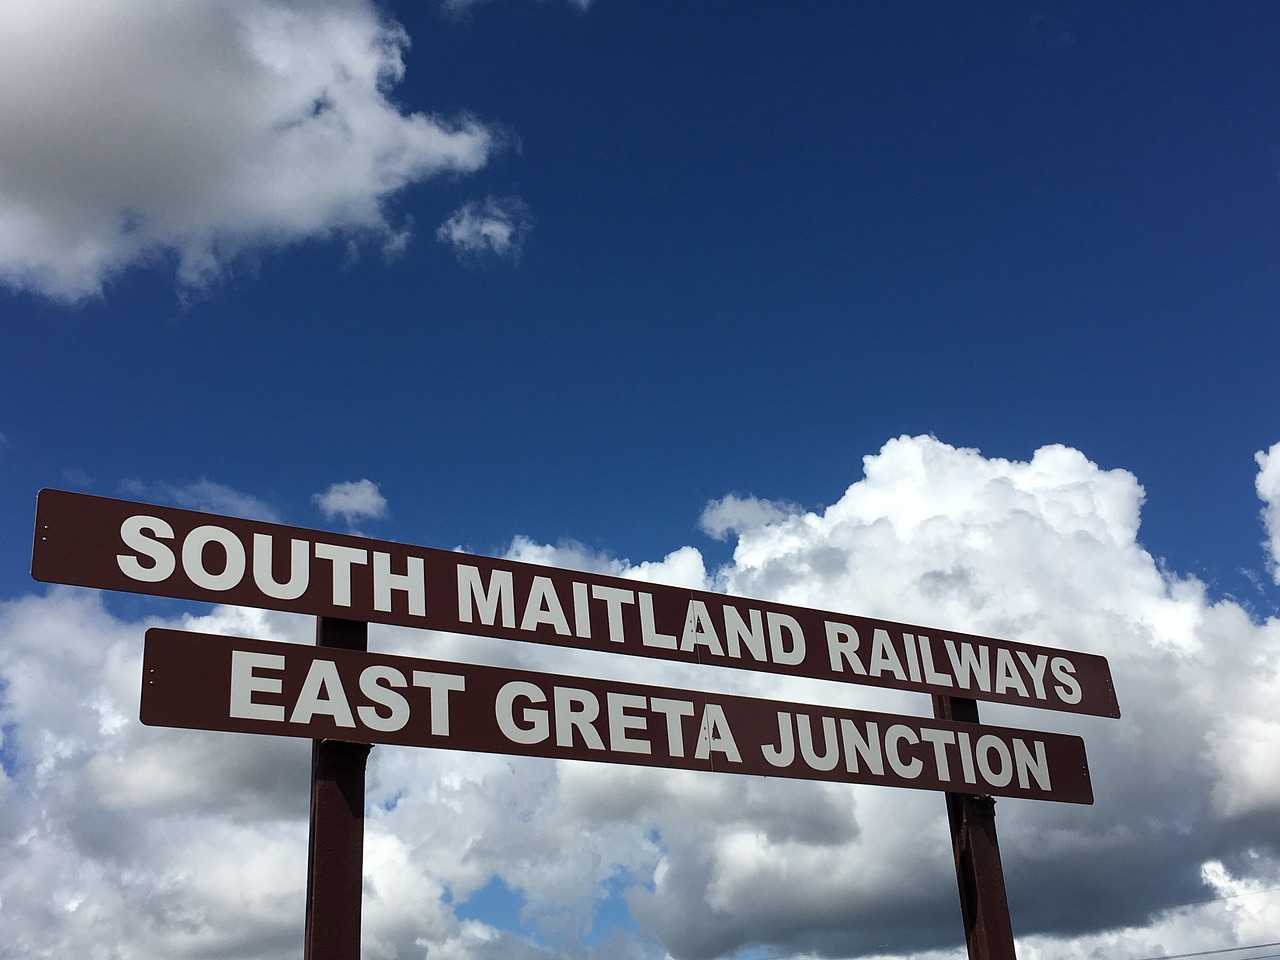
(143,131)
(733,513)
(120,869)
(1268,486)
(353,501)
(103,818)
(494,225)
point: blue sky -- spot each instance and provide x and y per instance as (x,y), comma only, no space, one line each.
(557,276)
(762,244)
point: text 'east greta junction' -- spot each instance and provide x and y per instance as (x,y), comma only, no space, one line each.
(262,687)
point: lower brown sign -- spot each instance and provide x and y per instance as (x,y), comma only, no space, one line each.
(209,682)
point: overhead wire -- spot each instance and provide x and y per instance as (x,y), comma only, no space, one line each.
(1150,910)
(1220,950)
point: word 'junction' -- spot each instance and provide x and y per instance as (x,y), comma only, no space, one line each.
(179,553)
(253,686)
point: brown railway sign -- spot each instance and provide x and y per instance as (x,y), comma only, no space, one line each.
(138,548)
(254,686)
(345,698)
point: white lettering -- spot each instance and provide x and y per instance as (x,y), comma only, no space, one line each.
(699,631)
(865,748)
(986,745)
(939,739)
(322,693)
(913,656)
(614,598)
(831,747)
(372,679)
(500,593)
(1007,677)
(649,634)
(576,710)
(1067,687)
(966,758)
(737,631)
(299,568)
(785,751)
(134,532)
(893,738)
(413,582)
(1031,764)
(1035,668)
(343,559)
(244,684)
(884,657)
(439,686)
(971,666)
(926,657)
(780,624)
(620,722)
(714,734)
(581,611)
(193,558)
(673,710)
(536,726)
(842,647)
(543,606)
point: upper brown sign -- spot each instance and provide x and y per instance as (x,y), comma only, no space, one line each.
(138,548)
(260,686)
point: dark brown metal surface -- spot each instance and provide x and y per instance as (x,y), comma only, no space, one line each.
(81,540)
(380,698)
(335,851)
(984,906)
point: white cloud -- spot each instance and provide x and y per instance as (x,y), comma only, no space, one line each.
(206,496)
(353,500)
(496,225)
(145,131)
(733,514)
(681,568)
(459,8)
(1268,486)
(103,818)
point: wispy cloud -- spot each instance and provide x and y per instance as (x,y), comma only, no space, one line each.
(457,8)
(496,225)
(204,495)
(1268,487)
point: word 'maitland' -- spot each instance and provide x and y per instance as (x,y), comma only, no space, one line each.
(254,686)
(118,545)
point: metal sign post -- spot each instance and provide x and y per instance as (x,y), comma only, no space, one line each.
(984,907)
(335,845)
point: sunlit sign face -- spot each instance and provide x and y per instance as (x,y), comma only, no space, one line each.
(322,693)
(117,545)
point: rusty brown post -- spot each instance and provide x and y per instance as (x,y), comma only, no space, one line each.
(988,931)
(335,854)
